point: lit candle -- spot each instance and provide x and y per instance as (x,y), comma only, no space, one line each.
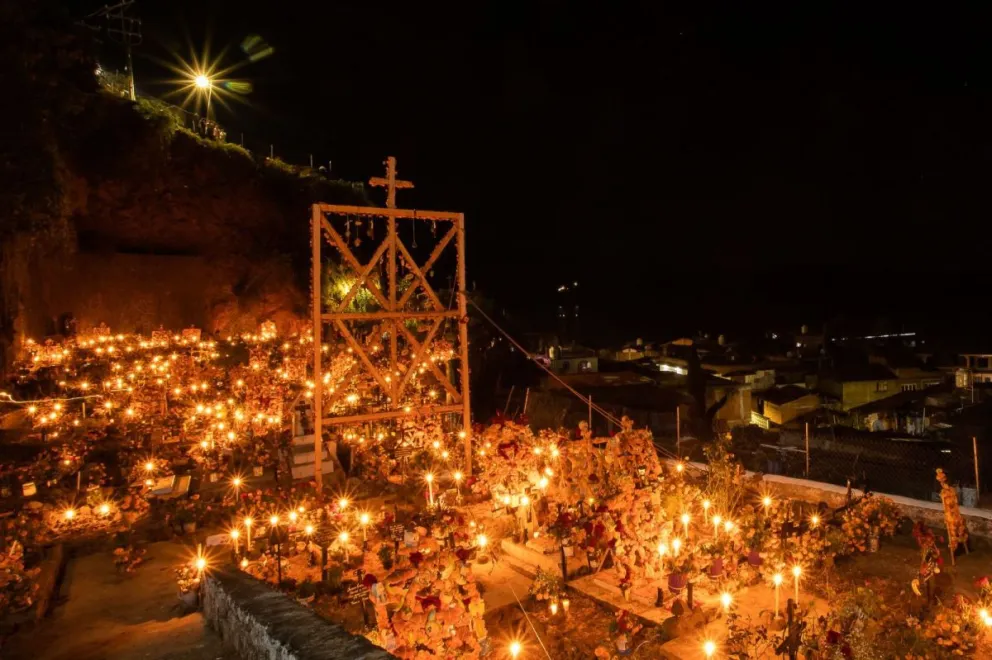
(796,572)
(685,524)
(364,520)
(676,545)
(709,648)
(706,511)
(234,537)
(458,482)
(725,600)
(248,522)
(343,503)
(429,478)
(777,579)
(565,603)
(514,649)
(553,607)
(815,520)
(766,502)
(716,526)
(662,551)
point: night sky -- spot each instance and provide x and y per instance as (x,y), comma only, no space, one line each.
(692,168)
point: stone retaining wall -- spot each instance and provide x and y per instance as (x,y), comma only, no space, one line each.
(258,623)
(979,521)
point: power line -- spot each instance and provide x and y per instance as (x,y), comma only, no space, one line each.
(128,34)
(568,387)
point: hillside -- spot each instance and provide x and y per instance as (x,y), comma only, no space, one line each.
(111,212)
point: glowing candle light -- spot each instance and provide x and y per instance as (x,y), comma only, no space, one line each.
(201,564)
(292,517)
(248,523)
(515,649)
(777,579)
(766,502)
(308,530)
(676,545)
(709,648)
(458,482)
(685,524)
(244,563)
(429,478)
(725,600)
(706,511)
(235,535)
(796,572)
(553,607)
(149,466)
(70,514)
(344,536)
(716,526)
(343,503)
(565,603)
(364,521)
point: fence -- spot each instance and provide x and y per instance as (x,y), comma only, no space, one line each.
(841,455)
(209,129)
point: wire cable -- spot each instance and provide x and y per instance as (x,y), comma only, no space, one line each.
(568,387)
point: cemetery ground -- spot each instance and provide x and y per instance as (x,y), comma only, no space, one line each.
(102,614)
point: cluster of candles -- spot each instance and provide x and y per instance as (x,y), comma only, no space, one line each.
(293,517)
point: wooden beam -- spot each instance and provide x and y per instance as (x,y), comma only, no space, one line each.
(382,316)
(463,341)
(411,214)
(345,251)
(438,249)
(362,277)
(357,348)
(441,378)
(417,357)
(318,377)
(421,279)
(392,414)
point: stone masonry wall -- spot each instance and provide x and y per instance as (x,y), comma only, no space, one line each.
(257,623)
(979,521)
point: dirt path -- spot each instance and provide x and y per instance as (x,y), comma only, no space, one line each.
(107,616)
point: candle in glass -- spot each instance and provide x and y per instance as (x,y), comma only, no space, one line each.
(777,579)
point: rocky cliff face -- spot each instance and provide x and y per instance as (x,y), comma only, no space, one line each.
(113,213)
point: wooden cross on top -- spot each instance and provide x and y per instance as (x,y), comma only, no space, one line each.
(390,183)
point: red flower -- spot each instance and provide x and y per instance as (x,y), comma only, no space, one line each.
(369,580)
(982,582)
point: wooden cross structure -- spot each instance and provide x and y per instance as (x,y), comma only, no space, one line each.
(394,312)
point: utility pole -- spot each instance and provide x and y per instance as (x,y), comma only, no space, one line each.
(128,34)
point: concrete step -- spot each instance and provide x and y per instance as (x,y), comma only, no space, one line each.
(303,455)
(308,470)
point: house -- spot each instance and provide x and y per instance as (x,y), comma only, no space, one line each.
(857,384)
(574,360)
(974,368)
(783,404)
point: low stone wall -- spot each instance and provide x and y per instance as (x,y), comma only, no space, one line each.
(979,521)
(258,623)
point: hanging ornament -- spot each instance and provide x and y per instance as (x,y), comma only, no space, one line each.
(434,228)
(372,228)
(347,230)
(414,234)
